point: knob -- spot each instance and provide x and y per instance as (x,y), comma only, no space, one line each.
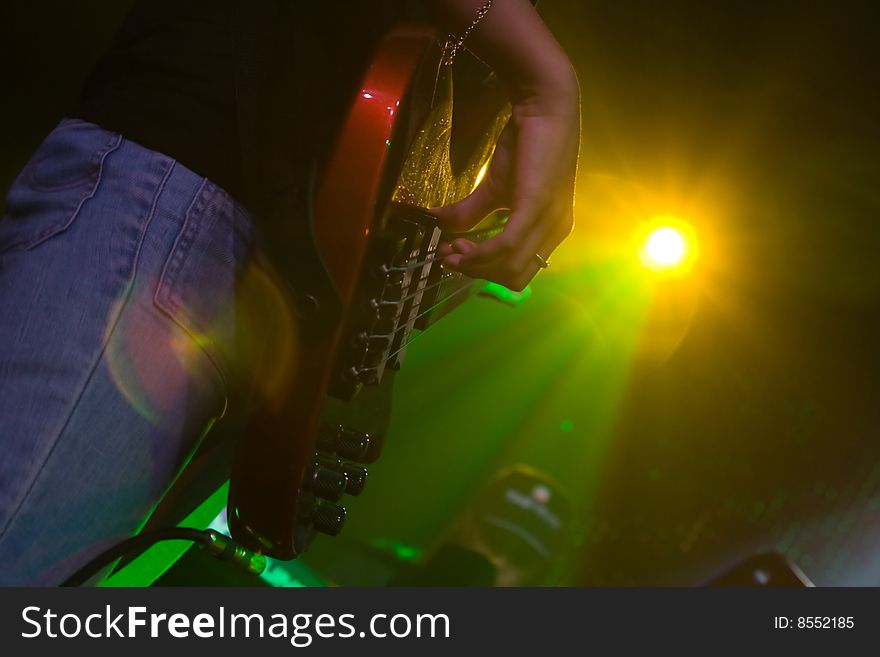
(327,483)
(357,478)
(328,518)
(352,444)
(348,443)
(374,449)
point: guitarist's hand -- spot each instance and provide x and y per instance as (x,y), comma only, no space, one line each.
(533,170)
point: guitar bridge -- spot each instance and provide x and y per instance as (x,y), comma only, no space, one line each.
(400,279)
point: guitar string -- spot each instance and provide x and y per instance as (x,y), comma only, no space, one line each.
(424,312)
(437,304)
(491,232)
(413,266)
(413,294)
(416,336)
(416,293)
(420,263)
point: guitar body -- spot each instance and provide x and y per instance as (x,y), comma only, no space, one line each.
(307,444)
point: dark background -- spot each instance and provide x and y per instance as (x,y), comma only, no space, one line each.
(759,430)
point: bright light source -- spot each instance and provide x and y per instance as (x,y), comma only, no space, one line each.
(667,245)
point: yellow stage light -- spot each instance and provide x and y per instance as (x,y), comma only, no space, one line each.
(667,245)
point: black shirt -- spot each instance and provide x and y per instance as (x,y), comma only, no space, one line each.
(167,83)
(171,82)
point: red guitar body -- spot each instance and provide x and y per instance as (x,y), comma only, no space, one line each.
(308,442)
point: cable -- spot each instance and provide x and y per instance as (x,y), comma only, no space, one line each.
(216,544)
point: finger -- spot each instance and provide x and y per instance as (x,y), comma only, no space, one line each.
(468,212)
(505,243)
(532,258)
(540,243)
(515,281)
(459,245)
(463,246)
(516,270)
(458,249)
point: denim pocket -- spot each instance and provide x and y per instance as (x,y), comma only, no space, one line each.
(198,281)
(63,174)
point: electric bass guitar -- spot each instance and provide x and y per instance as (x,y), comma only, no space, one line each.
(393,158)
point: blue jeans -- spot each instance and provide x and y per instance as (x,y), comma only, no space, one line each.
(118,269)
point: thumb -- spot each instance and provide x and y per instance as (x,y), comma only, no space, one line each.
(468,212)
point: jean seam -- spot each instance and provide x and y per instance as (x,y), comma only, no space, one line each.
(64,225)
(96,163)
(182,244)
(164,296)
(99,356)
